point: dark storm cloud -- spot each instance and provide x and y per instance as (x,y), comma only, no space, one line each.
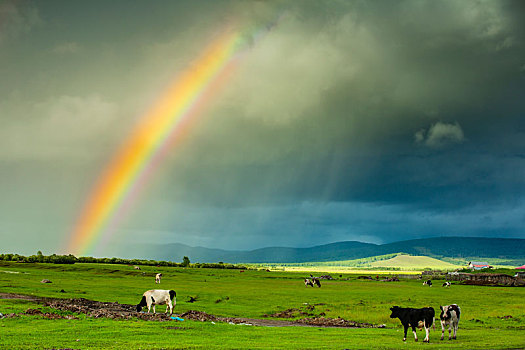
(444,68)
(346,120)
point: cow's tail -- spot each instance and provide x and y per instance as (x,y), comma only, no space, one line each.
(173,294)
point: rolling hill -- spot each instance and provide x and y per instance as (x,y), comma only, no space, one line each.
(408,261)
(503,249)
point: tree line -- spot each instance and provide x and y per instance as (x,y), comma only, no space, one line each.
(71,259)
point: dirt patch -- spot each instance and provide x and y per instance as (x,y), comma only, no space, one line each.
(50,316)
(312,322)
(290,313)
(337,322)
(98,309)
(199,316)
(20,296)
(391,279)
(115,310)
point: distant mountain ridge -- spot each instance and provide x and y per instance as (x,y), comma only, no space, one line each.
(452,247)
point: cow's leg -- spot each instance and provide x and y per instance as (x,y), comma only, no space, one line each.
(455,330)
(170,306)
(406,329)
(414,331)
(449,330)
(154,309)
(442,331)
(427,334)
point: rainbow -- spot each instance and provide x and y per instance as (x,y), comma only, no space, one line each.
(156,132)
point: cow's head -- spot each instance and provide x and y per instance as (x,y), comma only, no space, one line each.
(395,311)
(445,312)
(141,304)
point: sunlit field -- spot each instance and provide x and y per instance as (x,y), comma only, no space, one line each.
(386,264)
(493,317)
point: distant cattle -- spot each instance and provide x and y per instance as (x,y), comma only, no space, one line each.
(412,317)
(158,277)
(308,282)
(311,282)
(316,281)
(427,283)
(449,316)
(447,284)
(157,297)
(136,267)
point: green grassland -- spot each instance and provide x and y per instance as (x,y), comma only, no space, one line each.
(492,317)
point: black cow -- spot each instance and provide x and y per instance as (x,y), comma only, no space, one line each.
(412,317)
(428,283)
(447,284)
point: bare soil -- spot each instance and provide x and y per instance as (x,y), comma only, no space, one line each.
(115,310)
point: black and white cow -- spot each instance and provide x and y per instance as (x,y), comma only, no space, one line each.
(312,282)
(316,281)
(427,283)
(308,282)
(449,316)
(157,297)
(412,317)
(447,284)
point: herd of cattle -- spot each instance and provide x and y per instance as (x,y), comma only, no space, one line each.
(409,317)
(424,318)
(429,283)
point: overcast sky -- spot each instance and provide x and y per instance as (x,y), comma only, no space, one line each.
(374,121)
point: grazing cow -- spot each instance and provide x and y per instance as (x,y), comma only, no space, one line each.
(411,317)
(158,297)
(427,283)
(447,284)
(316,281)
(449,316)
(136,267)
(308,282)
(158,277)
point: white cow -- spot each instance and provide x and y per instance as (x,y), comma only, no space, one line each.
(449,316)
(158,297)
(158,277)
